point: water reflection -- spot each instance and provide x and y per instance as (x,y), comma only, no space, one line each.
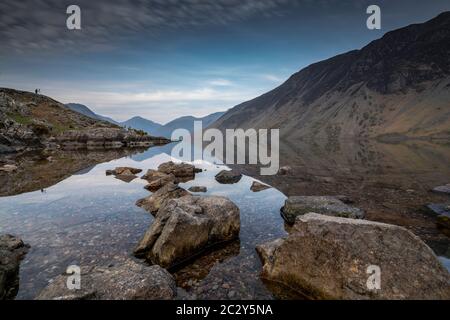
(91,219)
(87,218)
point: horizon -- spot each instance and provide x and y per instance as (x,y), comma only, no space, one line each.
(179,61)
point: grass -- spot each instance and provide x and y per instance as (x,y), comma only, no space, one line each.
(19,118)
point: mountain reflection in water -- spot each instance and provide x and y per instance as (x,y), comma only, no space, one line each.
(87,218)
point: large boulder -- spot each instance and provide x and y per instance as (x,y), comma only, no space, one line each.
(328,257)
(179,170)
(158,199)
(187,226)
(12,251)
(328,205)
(228,176)
(126,281)
(156,180)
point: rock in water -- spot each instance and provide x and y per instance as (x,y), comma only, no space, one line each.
(126,281)
(298,205)
(198,189)
(442,189)
(12,250)
(126,174)
(157,180)
(258,186)
(228,177)
(442,210)
(186,226)
(179,170)
(155,201)
(126,171)
(328,257)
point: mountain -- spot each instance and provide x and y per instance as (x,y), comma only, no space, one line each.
(396,86)
(31,121)
(166,130)
(142,124)
(80,108)
(187,122)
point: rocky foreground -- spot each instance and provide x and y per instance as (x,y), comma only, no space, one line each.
(31,121)
(12,250)
(327,255)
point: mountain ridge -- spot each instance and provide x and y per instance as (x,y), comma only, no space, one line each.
(381,89)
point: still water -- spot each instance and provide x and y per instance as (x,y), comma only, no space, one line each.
(70,212)
(91,219)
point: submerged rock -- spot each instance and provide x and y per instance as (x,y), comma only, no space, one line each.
(442,189)
(228,177)
(258,186)
(12,251)
(179,170)
(198,189)
(126,281)
(187,226)
(328,205)
(442,210)
(155,201)
(333,258)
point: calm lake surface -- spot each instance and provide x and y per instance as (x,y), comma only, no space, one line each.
(86,218)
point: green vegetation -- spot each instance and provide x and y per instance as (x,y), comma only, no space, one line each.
(17,117)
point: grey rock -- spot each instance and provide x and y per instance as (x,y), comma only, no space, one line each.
(327,257)
(442,189)
(186,226)
(126,281)
(328,205)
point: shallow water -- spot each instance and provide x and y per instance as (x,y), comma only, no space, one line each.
(87,218)
(91,219)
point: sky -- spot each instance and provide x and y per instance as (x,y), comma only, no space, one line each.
(162,59)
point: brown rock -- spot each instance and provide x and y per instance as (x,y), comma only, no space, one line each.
(12,251)
(328,257)
(228,177)
(198,189)
(179,170)
(153,202)
(258,186)
(158,179)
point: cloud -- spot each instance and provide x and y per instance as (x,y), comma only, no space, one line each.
(221,83)
(41,24)
(273,78)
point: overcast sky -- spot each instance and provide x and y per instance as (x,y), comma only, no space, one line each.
(162,59)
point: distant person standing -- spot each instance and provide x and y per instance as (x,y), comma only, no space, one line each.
(36,91)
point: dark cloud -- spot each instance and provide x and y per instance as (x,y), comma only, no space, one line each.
(32,25)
